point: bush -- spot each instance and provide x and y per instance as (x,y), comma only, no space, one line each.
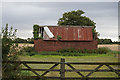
(102,50)
(28,51)
(67,50)
(32,53)
(78,52)
(9,52)
(49,53)
(59,37)
(97,51)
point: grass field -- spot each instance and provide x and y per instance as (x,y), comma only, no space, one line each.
(114,47)
(99,58)
(86,58)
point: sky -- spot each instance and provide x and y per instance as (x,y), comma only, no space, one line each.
(23,15)
(59,0)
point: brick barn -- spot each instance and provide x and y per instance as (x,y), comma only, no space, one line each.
(58,37)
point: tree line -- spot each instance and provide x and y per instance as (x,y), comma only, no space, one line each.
(28,40)
(107,41)
(100,41)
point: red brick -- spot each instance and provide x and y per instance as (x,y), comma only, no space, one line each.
(41,45)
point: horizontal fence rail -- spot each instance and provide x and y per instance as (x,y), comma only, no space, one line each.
(63,69)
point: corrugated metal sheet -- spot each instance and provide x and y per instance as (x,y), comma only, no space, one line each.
(72,33)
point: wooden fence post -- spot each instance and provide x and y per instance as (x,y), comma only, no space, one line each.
(62,69)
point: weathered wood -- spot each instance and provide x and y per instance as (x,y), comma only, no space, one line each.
(73,78)
(69,70)
(76,63)
(85,70)
(96,69)
(93,63)
(62,69)
(31,62)
(31,69)
(42,69)
(113,70)
(49,69)
(75,69)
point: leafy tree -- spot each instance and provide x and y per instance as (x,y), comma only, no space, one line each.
(36,31)
(105,41)
(10,51)
(20,40)
(75,18)
(7,42)
(30,40)
(116,42)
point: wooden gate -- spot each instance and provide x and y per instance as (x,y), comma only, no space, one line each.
(63,69)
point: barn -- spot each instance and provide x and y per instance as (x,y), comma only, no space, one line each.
(53,38)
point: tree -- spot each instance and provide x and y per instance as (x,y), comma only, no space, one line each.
(105,41)
(36,31)
(9,52)
(20,40)
(7,42)
(30,40)
(75,18)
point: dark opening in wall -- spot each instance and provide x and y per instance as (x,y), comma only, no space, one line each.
(41,31)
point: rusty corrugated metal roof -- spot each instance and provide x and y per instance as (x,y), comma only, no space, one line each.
(71,33)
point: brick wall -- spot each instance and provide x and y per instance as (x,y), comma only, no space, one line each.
(41,45)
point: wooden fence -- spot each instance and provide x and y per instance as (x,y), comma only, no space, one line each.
(62,70)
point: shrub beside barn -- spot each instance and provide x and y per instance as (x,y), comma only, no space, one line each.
(53,38)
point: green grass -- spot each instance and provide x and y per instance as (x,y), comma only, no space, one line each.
(95,58)
(56,58)
(29,51)
(70,55)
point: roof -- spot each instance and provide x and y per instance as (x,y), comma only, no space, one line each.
(64,26)
(72,33)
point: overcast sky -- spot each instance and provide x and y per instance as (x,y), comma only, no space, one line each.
(23,15)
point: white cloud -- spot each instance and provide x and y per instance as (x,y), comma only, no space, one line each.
(25,33)
(23,15)
(60,0)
